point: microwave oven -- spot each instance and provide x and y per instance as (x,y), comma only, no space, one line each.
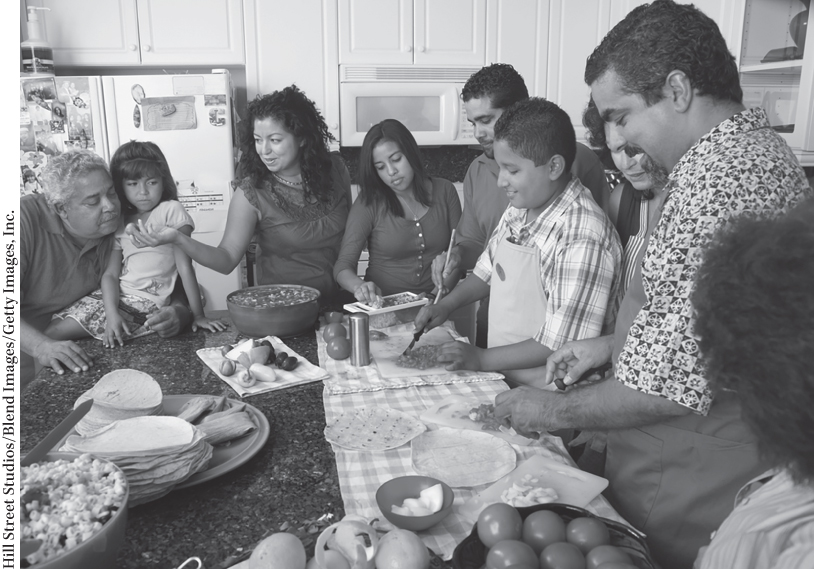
(427,100)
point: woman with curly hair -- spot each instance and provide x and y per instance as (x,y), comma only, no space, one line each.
(403,215)
(291,192)
(754,304)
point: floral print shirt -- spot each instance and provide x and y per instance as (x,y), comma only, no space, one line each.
(741,167)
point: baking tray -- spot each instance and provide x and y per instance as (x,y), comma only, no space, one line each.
(404,299)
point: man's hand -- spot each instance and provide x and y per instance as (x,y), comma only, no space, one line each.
(169,320)
(573,359)
(431,316)
(438,272)
(142,236)
(460,355)
(56,354)
(367,292)
(526,409)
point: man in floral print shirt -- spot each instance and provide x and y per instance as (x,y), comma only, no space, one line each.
(664,80)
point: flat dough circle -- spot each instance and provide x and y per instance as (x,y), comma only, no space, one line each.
(462,458)
(376,428)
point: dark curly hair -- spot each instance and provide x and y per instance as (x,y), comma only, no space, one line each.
(500,82)
(371,187)
(299,115)
(754,303)
(537,129)
(135,160)
(658,38)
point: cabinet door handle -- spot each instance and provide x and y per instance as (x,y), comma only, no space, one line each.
(133,47)
(421,49)
(408,48)
(334,126)
(147,48)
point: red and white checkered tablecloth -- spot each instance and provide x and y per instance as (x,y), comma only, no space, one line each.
(362,472)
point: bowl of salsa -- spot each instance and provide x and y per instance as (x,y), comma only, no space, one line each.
(275,310)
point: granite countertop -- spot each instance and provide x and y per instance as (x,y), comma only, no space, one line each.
(287,486)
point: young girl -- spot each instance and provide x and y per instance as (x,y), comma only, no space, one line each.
(137,282)
(404,216)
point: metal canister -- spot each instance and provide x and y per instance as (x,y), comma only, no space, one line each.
(359,339)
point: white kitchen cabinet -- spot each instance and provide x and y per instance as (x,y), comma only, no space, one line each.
(406,32)
(144,32)
(294,43)
(777,69)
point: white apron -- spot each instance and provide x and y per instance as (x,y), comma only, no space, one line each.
(517,301)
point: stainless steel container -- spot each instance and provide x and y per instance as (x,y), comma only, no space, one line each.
(359,339)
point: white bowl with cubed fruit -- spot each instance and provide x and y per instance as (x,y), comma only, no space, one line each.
(414,503)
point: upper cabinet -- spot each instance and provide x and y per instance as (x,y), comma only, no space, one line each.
(144,32)
(406,32)
(777,68)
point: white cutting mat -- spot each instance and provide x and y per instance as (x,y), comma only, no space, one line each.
(386,352)
(573,486)
(454,412)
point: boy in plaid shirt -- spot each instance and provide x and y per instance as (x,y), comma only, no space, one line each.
(551,267)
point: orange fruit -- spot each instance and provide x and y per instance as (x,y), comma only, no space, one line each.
(278,551)
(402,549)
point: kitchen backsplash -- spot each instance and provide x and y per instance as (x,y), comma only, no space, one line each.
(448,162)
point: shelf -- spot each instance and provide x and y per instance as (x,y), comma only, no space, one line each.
(793,65)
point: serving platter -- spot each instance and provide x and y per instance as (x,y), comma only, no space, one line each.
(225,457)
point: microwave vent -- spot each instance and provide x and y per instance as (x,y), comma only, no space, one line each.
(390,74)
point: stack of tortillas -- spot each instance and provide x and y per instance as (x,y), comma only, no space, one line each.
(155,453)
(120,394)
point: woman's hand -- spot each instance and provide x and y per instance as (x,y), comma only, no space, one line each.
(205,323)
(115,331)
(367,292)
(460,355)
(574,358)
(143,236)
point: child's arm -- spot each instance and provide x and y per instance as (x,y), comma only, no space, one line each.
(522,355)
(115,327)
(193,291)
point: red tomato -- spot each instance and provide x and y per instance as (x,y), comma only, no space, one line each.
(587,533)
(510,552)
(338,348)
(331,317)
(333,330)
(542,528)
(498,522)
(562,555)
(606,554)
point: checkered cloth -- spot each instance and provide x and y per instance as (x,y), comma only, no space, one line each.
(361,473)
(346,378)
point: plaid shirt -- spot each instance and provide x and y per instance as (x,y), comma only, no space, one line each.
(580,263)
(740,167)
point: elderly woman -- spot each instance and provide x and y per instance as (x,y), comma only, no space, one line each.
(67,235)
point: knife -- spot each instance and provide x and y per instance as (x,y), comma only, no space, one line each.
(45,445)
(599,370)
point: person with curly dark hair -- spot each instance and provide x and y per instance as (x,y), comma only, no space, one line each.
(292,193)
(486,94)
(664,81)
(402,214)
(754,304)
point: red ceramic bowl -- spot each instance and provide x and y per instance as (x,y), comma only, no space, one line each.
(395,491)
(259,311)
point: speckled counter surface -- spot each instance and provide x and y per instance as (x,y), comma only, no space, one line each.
(288,485)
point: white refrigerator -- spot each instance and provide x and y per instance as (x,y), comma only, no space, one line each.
(190,117)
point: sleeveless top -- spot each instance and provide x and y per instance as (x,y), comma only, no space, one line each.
(298,241)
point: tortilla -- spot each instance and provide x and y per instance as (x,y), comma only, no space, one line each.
(120,394)
(377,428)
(462,458)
